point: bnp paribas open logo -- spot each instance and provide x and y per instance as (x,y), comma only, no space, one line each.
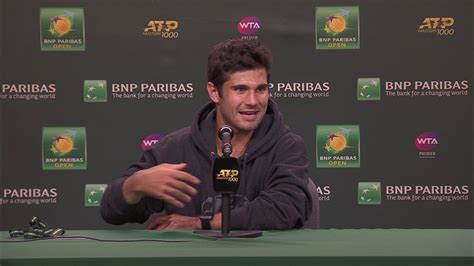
(64,148)
(62,29)
(93,194)
(369,193)
(337,27)
(95,91)
(368,89)
(337,146)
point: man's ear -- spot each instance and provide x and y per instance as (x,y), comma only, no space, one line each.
(213,92)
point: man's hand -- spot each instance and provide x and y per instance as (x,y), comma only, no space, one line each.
(175,222)
(168,182)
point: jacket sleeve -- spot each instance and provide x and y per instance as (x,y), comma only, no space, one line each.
(285,201)
(115,210)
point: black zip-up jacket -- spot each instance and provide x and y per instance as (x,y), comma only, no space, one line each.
(273,190)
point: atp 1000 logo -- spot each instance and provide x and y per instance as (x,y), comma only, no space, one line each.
(230,175)
(440,26)
(64,148)
(166,29)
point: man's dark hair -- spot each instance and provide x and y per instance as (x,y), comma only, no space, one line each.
(236,55)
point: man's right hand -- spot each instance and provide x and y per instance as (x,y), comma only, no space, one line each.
(168,182)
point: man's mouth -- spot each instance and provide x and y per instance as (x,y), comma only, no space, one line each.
(249,114)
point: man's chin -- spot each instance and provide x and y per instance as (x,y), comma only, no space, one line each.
(247,127)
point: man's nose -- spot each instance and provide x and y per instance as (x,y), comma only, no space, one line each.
(251,98)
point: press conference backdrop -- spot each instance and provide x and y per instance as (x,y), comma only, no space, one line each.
(381,91)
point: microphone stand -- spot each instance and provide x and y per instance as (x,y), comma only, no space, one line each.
(225,229)
(225,222)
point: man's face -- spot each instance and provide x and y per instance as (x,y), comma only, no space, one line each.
(243,100)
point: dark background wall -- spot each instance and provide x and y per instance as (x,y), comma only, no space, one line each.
(117,51)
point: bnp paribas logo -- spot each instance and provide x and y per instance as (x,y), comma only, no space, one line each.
(369,193)
(62,29)
(93,194)
(95,91)
(337,27)
(368,89)
(64,148)
(337,146)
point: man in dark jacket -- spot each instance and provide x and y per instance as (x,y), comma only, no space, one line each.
(175,175)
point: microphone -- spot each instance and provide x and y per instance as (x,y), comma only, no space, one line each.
(226,134)
(226,179)
(226,169)
(226,175)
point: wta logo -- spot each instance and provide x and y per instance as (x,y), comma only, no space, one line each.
(249,25)
(427,141)
(149,141)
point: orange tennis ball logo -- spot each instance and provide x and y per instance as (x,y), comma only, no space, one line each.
(337,142)
(337,24)
(62,145)
(60,25)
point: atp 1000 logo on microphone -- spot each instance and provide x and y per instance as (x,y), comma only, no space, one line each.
(226,175)
(230,175)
